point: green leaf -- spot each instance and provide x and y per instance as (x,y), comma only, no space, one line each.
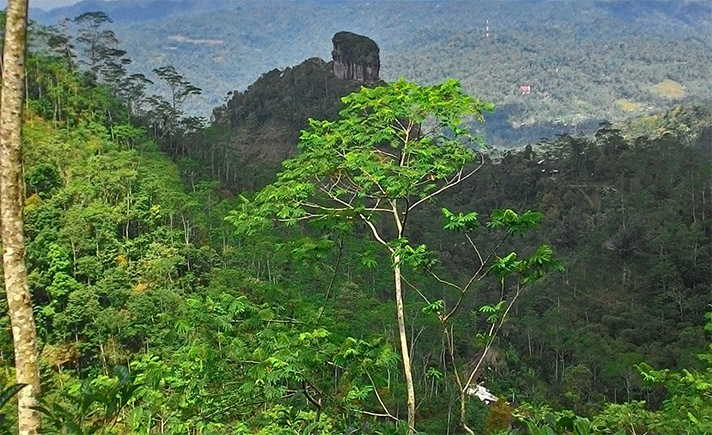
(9,393)
(460,222)
(514,223)
(434,307)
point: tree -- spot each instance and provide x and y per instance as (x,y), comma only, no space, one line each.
(98,42)
(60,43)
(393,149)
(12,199)
(169,112)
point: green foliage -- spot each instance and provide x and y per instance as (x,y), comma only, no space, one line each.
(493,312)
(685,409)
(93,406)
(434,373)
(499,418)
(460,222)
(9,392)
(6,396)
(129,267)
(513,223)
(44,178)
(375,153)
(434,307)
(545,421)
(131,263)
(394,148)
(415,257)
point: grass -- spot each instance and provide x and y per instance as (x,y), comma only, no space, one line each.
(668,89)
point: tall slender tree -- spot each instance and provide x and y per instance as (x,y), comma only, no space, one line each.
(394,148)
(11,202)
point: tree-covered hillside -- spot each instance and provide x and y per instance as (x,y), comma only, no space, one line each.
(258,129)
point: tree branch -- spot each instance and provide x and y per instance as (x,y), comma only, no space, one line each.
(305,389)
(478,275)
(492,334)
(455,181)
(416,289)
(375,232)
(378,396)
(477,251)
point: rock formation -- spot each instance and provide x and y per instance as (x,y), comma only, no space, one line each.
(264,121)
(356,58)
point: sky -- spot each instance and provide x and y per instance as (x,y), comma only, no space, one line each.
(45,4)
(51,4)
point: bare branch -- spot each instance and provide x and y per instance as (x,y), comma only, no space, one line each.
(445,282)
(378,396)
(349,207)
(451,346)
(385,153)
(478,275)
(333,277)
(494,330)
(482,358)
(416,289)
(453,182)
(375,232)
(472,243)
(376,414)
(305,389)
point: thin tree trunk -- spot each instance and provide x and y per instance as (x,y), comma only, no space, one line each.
(19,301)
(405,354)
(462,391)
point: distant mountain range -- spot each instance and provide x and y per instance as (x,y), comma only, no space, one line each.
(147,10)
(585,61)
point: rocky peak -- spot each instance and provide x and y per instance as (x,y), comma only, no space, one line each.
(356,58)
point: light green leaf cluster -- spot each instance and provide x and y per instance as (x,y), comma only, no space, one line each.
(460,222)
(514,223)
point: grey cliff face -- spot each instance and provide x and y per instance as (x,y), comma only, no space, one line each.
(356,58)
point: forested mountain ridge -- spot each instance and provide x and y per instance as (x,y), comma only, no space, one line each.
(258,129)
(637,56)
(156,315)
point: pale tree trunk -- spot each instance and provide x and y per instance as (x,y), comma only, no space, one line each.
(405,354)
(11,201)
(400,314)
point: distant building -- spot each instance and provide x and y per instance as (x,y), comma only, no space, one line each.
(525,89)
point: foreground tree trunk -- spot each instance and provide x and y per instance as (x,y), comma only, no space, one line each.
(405,353)
(11,201)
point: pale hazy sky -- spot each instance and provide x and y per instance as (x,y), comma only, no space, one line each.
(49,4)
(45,4)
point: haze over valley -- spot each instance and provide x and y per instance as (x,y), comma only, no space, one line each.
(584,61)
